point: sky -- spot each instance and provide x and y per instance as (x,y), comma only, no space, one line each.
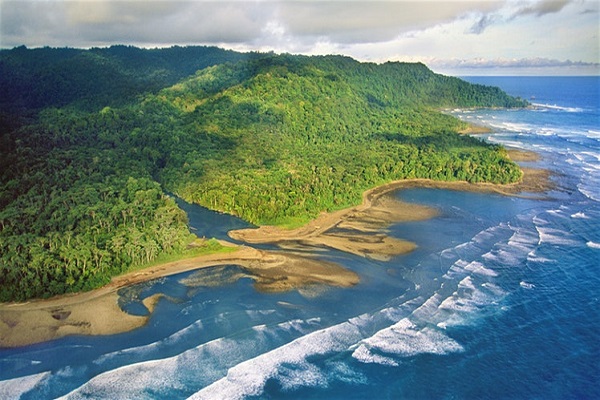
(455,37)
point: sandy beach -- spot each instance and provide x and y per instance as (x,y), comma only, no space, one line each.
(359,230)
(473,129)
(97,312)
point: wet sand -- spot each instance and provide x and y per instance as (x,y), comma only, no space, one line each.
(519,155)
(361,230)
(474,129)
(97,312)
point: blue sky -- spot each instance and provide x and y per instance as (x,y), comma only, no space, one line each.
(466,37)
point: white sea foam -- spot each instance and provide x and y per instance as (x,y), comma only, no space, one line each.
(524,240)
(469,299)
(290,366)
(303,374)
(503,256)
(593,133)
(464,299)
(478,268)
(589,191)
(533,257)
(537,220)
(482,241)
(486,235)
(494,289)
(517,127)
(16,387)
(526,285)
(139,351)
(404,339)
(580,215)
(588,157)
(556,236)
(195,367)
(456,270)
(343,372)
(364,355)
(558,108)
(189,333)
(157,376)
(512,143)
(546,132)
(248,378)
(428,308)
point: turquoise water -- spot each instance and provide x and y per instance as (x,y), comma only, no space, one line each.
(500,299)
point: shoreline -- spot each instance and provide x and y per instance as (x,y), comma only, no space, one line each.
(358,230)
(474,129)
(381,211)
(97,312)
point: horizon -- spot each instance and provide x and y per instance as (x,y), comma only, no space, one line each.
(458,74)
(468,38)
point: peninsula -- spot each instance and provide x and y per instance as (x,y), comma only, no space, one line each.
(97,312)
(93,139)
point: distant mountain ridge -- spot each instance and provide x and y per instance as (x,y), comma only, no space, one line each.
(44,77)
(91,139)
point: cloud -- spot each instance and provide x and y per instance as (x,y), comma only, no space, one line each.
(542,8)
(483,22)
(511,11)
(184,22)
(504,63)
(89,22)
(371,21)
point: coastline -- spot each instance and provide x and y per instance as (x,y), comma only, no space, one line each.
(97,312)
(474,129)
(359,230)
(377,210)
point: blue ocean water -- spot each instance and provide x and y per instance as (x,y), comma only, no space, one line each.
(500,300)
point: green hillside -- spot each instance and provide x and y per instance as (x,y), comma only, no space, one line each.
(95,78)
(280,139)
(274,139)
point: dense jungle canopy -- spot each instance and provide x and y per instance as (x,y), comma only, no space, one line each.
(92,140)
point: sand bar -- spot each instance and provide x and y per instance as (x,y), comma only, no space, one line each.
(363,226)
(473,129)
(97,312)
(519,155)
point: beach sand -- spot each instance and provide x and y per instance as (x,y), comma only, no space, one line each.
(359,230)
(97,312)
(519,155)
(474,129)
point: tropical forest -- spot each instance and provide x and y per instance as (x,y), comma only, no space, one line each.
(96,145)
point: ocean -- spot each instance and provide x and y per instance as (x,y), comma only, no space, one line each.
(501,299)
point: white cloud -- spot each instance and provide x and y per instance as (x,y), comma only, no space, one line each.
(515,63)
(225,21)
(513,10)
(371,21)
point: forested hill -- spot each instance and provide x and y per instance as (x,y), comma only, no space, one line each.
(96,78)
(91,140)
